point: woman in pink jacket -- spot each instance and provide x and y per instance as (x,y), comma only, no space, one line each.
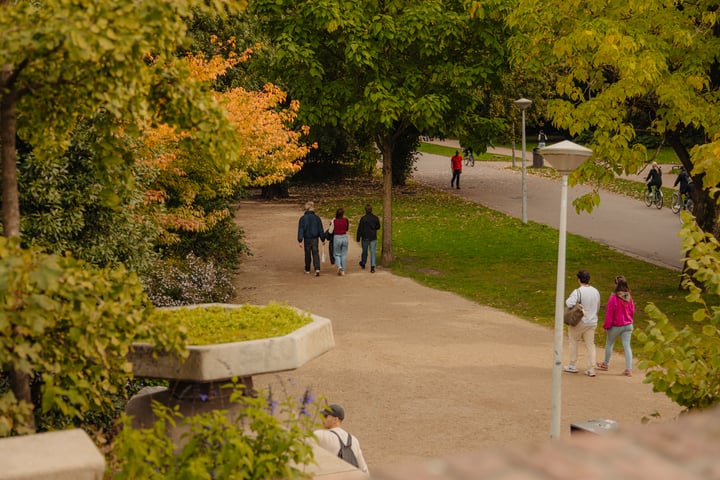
(619,323)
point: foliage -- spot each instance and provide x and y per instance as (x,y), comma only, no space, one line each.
(684,363)
(70,326)
(194,190)
(640,67)
(63,207)
(404,156)
(259,439)
(223,245)
(220,324)
(113,57)
(192,280)
(382,68)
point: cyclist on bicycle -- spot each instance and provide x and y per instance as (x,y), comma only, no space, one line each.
(654,177)
(685,182)
(469,157)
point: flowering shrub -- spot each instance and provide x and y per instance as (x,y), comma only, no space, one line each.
(188,281)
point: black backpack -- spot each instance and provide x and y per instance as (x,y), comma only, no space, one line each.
(345,451)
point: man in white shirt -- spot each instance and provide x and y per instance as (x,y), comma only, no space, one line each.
(333,434)
(589,297)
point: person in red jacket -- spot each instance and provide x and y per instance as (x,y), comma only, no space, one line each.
(619,323)
(456,165)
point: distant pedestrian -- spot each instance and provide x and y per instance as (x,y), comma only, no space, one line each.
(310,232)
(339,228)
(589,298)
(367,235)
(542,138)
(619,323)
(333,437)
(654,177)
(456,165)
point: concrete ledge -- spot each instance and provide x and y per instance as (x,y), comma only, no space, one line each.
(220,362)
(61,455)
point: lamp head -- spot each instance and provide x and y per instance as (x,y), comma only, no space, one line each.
(523,103)
(565,156)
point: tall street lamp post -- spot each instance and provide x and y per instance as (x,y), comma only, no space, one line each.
(523,104)
(564,157)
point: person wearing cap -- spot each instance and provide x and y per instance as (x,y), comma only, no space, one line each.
(329,438)
(654,177)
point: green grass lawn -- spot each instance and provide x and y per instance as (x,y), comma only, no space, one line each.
(450,151)
(447,243)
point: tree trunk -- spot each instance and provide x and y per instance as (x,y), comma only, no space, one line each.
(19,381)
(386,149)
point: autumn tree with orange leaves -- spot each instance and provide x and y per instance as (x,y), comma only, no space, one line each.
(192,190)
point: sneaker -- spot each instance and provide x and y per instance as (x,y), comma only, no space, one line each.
(372,269)
(590,372)
(627,373)
(339,271)
(342,273)
(317,273)
(307,272)
(570,368)
(603,366)
(362,265)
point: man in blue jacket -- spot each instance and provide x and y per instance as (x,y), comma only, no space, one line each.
(310,230)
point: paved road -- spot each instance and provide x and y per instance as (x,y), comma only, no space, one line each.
(622,223)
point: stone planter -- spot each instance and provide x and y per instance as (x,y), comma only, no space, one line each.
(195,380)
(221,362)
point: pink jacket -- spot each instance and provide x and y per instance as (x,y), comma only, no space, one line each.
(620,310)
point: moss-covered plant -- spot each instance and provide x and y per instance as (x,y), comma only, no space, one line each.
(260,439)
(219,324)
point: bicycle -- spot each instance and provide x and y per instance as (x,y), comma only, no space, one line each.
(682,202)
(655,196)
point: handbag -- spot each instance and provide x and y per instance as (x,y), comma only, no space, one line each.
(574,314)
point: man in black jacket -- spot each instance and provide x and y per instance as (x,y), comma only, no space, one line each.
(310,230)
(367,232)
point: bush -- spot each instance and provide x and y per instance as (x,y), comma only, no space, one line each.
(190,281)
(68,327)
(259,439)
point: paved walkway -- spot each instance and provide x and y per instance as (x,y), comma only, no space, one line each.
(622,223)
(421,372)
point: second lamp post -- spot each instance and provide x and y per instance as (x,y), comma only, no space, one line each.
(523,104)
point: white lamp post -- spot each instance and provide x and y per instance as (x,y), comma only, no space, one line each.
(564,157)
(523,104)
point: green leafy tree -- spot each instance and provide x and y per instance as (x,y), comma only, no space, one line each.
(65,61)
(630,68)
(384,68)
(626,69)
(68,326)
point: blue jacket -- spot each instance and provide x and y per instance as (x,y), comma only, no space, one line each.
(309,227)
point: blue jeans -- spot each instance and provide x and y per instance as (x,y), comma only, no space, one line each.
(340,248)
(372,246)
(624,332)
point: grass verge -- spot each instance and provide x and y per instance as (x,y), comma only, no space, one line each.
(447,243)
